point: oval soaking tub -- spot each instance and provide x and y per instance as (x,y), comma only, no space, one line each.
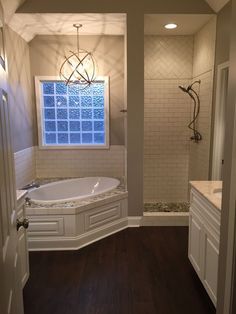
(72,189)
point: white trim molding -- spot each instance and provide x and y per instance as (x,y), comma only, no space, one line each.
(134,221)
(220,120)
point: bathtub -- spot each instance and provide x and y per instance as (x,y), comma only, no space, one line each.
(72,189)
(64,215)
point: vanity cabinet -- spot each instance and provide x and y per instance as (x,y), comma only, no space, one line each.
(22,242)
(204,237)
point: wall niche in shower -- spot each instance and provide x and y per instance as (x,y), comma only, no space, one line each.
(174,57)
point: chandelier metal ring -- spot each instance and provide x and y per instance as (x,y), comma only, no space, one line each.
(79,67)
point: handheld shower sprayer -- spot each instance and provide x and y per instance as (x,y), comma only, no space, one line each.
(196,101)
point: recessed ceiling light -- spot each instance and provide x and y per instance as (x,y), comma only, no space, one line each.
(170,26)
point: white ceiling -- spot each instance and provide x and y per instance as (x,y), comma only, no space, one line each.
(217,5)
(188,24)
(30,25)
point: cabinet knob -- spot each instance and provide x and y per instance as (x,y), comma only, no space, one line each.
(22,223)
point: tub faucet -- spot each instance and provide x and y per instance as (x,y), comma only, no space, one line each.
(31,186)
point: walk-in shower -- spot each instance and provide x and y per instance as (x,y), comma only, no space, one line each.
(196,137)
(178,90)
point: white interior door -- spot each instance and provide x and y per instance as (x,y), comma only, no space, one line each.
(11,300)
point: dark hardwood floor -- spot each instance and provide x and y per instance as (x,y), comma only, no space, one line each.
(137,271)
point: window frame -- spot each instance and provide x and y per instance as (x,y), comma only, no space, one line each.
(39,104)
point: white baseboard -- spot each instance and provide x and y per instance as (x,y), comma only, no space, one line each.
(134,221)
(74,243)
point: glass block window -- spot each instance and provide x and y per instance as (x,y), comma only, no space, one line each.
(70,116)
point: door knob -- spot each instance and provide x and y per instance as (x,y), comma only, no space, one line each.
(22,223)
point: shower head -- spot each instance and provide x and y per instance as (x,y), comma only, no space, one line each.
(185,90)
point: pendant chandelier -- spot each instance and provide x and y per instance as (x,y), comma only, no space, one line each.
(79,67)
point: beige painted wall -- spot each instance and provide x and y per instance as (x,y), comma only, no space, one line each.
(20,91)
(47,54)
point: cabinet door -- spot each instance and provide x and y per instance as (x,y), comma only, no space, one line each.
(195,242)
(210,263)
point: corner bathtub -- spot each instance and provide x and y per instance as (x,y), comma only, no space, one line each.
(72,189)
(72,213)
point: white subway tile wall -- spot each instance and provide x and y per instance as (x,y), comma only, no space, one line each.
(170,158)
(32,163)
(168,64)
(79,163)
(168,57)
(166,141)
(204,48)
(25,166)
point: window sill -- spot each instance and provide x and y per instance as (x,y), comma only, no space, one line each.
(87,147)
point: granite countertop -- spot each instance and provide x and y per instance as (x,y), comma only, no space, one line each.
(20,194)
(207,189)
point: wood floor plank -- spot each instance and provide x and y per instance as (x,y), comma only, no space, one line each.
(136,271)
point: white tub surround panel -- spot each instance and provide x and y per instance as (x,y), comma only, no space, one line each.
(25,163)
(71,226)
(204,232)
(80,163)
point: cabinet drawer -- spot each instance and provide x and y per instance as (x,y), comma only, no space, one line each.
(46,226)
